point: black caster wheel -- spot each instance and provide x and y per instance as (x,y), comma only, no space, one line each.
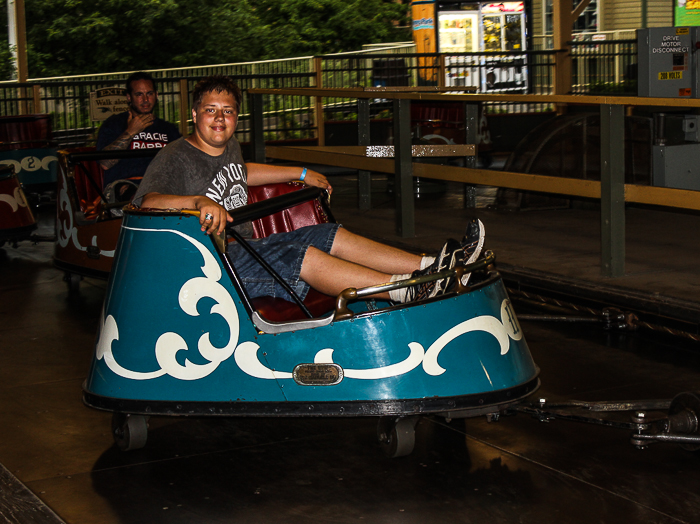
(73,281)
(397,435)
(684,417)
(129,431)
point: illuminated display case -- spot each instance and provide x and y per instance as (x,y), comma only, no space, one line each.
(459,32)
(483,27)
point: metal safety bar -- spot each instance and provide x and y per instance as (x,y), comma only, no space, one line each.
(342,311)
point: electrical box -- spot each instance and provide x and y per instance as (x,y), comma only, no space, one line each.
(676,153)
(691,128)
(677,166)
(667,62)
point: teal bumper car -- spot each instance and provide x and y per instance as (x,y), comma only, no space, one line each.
(179,336)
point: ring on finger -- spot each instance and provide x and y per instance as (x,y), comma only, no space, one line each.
(208,216)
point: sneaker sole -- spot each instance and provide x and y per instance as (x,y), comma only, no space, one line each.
(477,252)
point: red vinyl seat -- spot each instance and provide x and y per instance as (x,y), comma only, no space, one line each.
(88,196)
(25,132)
(306,214)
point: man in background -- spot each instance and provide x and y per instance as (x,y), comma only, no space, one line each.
(136,128)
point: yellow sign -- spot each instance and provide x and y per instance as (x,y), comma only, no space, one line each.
(671,75)
(423,14)
(683,31)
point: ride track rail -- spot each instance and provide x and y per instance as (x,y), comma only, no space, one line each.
(611,317)
(681,424)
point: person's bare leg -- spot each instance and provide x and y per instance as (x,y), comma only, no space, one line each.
(385,259)
(331,275)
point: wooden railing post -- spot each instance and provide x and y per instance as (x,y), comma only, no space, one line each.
(23,106)
(36,92)
(612,190)
(563,25)
(403,172)
(562,72)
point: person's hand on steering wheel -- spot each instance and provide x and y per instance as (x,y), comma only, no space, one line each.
(212,216)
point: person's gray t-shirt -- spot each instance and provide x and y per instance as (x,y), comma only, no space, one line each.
(182,169)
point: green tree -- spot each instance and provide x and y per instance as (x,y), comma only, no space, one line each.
(90,36)
(7,64)
(67,37)
(312,27)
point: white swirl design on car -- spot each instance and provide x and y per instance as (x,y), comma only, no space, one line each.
(15,201)
(109,332)
(245,355)
(247,360)
(30,163)
(66,230)
(170,344)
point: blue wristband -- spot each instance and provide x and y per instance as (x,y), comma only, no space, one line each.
(303,175)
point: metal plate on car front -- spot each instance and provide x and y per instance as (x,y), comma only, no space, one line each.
(317,374)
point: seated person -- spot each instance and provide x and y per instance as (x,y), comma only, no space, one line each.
(206,171)
(136,128)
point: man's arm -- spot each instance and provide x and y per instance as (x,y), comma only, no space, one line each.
(135,124)
(205,205)
(259,174)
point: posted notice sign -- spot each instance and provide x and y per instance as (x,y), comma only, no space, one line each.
(107,101)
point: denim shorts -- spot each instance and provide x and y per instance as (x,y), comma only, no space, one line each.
(285,252)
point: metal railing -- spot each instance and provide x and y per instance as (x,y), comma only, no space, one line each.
(599,67)
(68,102)
(605,67)
(530,72)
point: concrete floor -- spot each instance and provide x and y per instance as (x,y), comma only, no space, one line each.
(320,470)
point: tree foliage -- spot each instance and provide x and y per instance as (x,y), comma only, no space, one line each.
(304,27)
(67,37)
(88,36)
(7,65)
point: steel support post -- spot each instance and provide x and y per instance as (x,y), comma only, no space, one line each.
(364,178)
(612,190)
(257,136)
(403,171)
(471,121)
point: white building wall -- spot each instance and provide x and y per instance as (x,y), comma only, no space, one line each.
(617,15)
(660,13)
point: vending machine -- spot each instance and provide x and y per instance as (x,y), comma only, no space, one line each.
(483,27)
